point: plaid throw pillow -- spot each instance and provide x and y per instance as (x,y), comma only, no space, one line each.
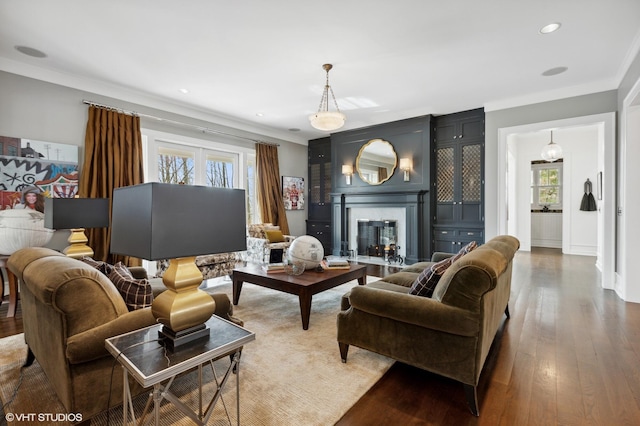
(464,250)
(101,266)
(426,282)
(137,294)
(429,277)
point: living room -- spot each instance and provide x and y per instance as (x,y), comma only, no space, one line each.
(44,104)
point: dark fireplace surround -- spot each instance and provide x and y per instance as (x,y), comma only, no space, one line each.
(410,138)
(416,206)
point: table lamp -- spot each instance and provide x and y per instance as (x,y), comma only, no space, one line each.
(156,221)
(76,214)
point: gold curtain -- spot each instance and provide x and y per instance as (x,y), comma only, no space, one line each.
(268,187)
(112,159)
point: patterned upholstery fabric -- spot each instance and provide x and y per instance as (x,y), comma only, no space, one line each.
(137,294)
(211,265)
(258,245)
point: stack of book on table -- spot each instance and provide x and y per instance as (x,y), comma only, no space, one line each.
(335,264)
(273,267)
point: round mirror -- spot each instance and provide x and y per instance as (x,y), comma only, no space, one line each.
(376,161)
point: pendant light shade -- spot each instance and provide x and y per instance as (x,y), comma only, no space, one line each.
(552,151)
(324,119)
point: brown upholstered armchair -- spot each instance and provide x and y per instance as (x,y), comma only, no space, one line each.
(69,308)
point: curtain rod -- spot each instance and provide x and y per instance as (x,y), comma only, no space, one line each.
(177,123)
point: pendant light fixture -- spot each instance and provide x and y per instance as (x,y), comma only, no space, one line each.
(324,119)
(552,151)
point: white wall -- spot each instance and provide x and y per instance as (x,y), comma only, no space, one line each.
(580,162)
(628,268)
(627,283)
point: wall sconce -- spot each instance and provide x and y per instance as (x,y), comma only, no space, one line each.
(347,170)
(406,165)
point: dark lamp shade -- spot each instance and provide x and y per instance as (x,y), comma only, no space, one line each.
(72,213)
(156,221)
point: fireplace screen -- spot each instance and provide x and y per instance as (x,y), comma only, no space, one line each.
(377,238)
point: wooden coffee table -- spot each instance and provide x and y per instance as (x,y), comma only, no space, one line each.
(305,285)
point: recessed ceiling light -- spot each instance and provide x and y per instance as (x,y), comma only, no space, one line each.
(30,51)
(259,114)
(550,28)
(184,91)
(554,71)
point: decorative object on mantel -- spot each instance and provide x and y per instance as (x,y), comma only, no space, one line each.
(347,171)
(324,119)
(76,214)
(552,151)
(21,228)
(157,221)
(588,201)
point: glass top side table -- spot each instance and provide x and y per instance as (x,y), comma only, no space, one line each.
(142,355)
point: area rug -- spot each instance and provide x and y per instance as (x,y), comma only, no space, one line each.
(288,376)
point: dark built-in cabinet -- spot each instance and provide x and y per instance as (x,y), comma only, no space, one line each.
(458,180)
(319,197)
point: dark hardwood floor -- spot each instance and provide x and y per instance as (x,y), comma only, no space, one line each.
(569,355)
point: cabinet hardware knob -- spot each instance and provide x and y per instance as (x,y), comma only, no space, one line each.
(460,136)
(454,136)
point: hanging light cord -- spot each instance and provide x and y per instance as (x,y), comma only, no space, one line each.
(324,101)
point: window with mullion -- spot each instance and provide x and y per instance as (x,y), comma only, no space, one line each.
(179,159)
(546,186)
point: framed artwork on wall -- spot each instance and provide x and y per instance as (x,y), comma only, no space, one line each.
(32,170)
(293,192)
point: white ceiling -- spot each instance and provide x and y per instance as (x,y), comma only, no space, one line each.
(392,59)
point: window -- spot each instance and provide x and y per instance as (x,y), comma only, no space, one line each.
(180,159)
(546,185)
(175,166)
(219,171)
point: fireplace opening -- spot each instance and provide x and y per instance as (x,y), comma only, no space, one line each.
(378,238)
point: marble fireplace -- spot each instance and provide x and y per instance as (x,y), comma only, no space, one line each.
(408,210)
(374,232)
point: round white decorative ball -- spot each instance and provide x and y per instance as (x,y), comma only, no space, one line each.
(308,249)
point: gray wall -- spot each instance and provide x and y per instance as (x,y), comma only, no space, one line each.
(38,110)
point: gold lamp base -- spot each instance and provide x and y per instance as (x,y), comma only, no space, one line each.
(183,308)
(78,247)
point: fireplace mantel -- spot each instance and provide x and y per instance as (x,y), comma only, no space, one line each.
(416,206)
